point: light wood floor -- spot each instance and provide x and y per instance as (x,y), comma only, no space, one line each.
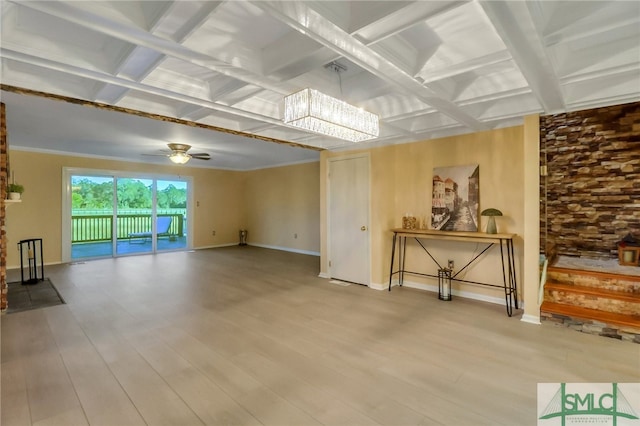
(244,335)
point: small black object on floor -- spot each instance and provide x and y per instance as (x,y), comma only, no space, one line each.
(32,296)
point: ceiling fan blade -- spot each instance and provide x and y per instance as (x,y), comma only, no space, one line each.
(201,156)
(155,155)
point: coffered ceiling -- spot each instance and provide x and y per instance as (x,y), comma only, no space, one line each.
(427,68)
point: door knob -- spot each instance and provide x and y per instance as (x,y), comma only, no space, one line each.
(363,228)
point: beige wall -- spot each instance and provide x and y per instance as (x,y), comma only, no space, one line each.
(273,204)
(531,255)
(283,207)
(401,180)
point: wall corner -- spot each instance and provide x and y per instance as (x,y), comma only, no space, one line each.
(531,237)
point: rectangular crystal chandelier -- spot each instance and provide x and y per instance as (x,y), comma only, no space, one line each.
(312,110)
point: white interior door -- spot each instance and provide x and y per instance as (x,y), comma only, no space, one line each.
(349,219)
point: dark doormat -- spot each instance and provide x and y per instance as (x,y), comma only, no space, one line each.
(32,296)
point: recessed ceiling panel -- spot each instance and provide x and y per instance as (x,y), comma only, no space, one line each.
(492,110)
(454,37)
(424,122)
(604,91)
(141,14)
(493,81)
(180,77)
(63,41)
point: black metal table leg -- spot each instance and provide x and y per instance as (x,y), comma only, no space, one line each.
(509,275)
(512,266)
(401,258)
(393,253)
(507,287)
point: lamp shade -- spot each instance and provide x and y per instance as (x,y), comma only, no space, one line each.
(312,110)
(491,212)
(491,224)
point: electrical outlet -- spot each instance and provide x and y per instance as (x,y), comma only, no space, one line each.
(213,233)
(450,264)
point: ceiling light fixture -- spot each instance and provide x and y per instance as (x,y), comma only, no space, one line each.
(179,157)
(312,110)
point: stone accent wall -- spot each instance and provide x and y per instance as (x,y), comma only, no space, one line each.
(590,197)
(592,327)
(3,196)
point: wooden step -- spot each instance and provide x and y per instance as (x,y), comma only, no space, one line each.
(593,291)
(603,280)
(630,323)
(593,298)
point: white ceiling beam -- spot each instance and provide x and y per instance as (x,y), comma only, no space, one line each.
(601,102)
(109,94)
(558,16)
(602,73)
(294,56)
(513,23)
(156,11)
(221,86)
(402,53)
(145,59)
(403,19)
(68,12)
(118,67)
(193,112)
(164,14)
(197,19)
(467,66)
(573,34)
(408,115)
(496,96)
(132,85)
(309,22)
(188,26)
(239,96)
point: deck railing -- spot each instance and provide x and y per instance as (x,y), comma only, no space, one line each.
(92,228)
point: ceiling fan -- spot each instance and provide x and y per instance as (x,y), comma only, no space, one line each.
(179,154)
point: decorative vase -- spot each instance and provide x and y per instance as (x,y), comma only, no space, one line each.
(491,226)
(14,195)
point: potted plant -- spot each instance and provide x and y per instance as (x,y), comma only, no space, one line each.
(14,191)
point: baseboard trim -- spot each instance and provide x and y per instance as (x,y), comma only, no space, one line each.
(531,319)
(324,275)
(17,267)
(215,246)
(289,249)
(458,293)
(378,286)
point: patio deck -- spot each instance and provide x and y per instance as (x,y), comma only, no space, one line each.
(124,247)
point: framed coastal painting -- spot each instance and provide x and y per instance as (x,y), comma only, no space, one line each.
(454,204)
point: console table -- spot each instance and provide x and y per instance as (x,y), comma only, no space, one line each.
(504,241)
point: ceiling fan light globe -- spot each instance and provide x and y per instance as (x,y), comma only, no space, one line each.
(179,157)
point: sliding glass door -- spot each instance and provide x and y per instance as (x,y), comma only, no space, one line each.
(91,216)
(134,219)
(171,208)
(123,215)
